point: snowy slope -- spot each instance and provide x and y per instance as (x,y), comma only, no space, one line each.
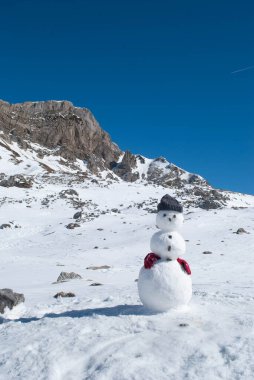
(14,160)
(37,161)
(160,167)
(104,332)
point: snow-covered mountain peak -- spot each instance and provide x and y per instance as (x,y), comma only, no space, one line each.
(55,139)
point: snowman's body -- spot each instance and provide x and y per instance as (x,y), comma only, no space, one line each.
(166,285)
(168,245)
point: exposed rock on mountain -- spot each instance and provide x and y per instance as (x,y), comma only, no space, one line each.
(40,140)
(124,169)
(17,180)
(73,132)
(160,171)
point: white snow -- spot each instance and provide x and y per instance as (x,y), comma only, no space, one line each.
(15,160)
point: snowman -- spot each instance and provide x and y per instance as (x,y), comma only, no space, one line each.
(165,279)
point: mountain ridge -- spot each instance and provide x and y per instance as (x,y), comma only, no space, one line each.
(57,137)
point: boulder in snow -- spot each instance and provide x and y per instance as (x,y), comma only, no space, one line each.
(65,276)
(71,226)
(241,231)
(77,215)
(5,225)
(64,295)
(9,299)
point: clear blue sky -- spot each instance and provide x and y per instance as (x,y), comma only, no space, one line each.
(156,74)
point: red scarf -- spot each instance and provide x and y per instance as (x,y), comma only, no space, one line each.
(151,259)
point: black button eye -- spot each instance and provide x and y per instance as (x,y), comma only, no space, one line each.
(164,215)
(170,236)
(169,248)
(174,216)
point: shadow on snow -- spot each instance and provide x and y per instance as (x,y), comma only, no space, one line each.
(114,311)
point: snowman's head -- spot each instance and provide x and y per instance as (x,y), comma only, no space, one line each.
(170,214)
(168,245)
(169,220)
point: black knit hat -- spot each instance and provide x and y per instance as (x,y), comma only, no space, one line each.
(168,203)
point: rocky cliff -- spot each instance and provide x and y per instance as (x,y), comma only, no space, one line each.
(72,131)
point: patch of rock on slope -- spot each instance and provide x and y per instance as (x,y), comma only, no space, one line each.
(192,188)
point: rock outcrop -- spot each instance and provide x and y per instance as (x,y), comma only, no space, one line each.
(9,299)
(17,180)
(73,132)
(124,169)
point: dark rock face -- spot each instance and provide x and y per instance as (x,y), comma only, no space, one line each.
(167,175)
(210,199)
(73,131)
(161,159)
(140,158)
(9,299)
(205,197)
(207,204)
(197,180)
(77,215)
(17,180)
(124,168)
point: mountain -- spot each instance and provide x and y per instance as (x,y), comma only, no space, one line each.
(50,137)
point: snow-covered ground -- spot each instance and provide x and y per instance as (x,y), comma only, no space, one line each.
(104,333)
